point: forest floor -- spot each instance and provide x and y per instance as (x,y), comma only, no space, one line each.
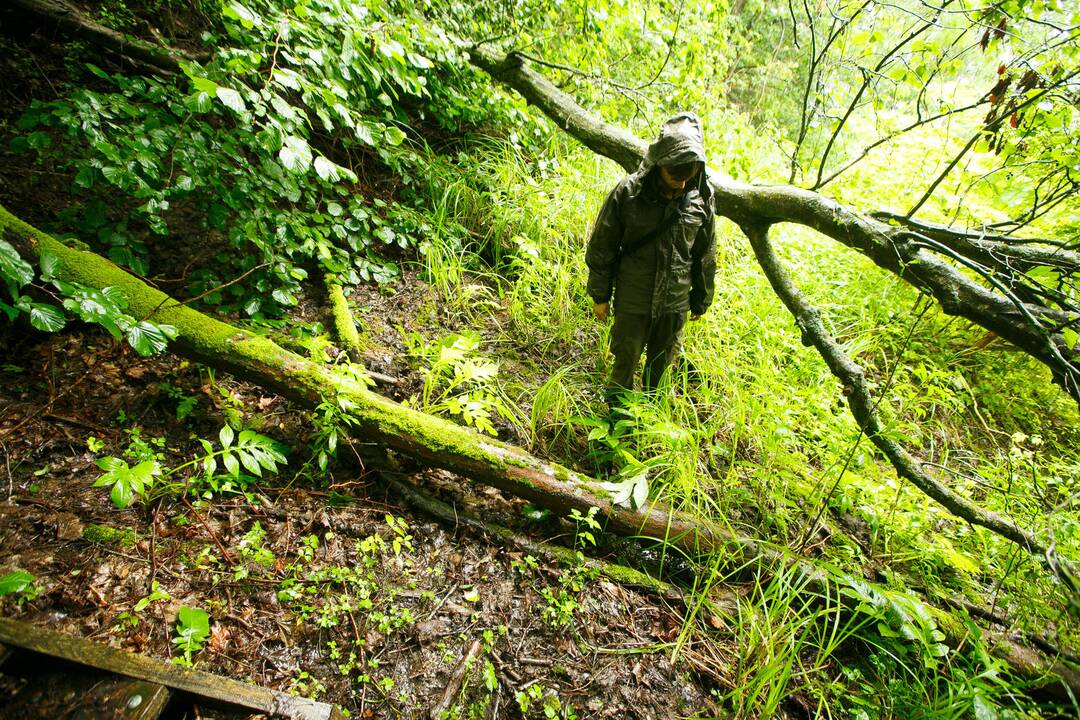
(337,590)
(332,587)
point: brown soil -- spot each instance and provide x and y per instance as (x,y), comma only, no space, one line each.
(288,608)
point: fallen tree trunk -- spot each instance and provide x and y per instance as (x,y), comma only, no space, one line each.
(442,444)
(432,441)
(906,249)
(70,20)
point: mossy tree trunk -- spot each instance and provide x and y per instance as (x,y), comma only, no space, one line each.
(430,440)
(438,443)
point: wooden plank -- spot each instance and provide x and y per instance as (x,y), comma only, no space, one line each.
(197,682)
(86,695)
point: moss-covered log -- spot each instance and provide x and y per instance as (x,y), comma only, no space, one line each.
(438,443)
(342,318)
(69,19)
(432,441)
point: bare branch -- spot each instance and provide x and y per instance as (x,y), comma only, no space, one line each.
(892,136)
(927,24)
(864,409)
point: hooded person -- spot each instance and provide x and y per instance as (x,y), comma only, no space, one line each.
(652,248)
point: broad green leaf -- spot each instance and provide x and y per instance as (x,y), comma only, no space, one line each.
(148,338)
(231,99)
(49,264)
(199,102)
(419,61)
(364,134)
(284,297)
(110,464)
(249,463)
(326,169)
(46,317)
(14,582)
(226,436)
(203,85)
(121,493)
(13,267)
(295,155)
(393,136)
(236,11)
(145,471)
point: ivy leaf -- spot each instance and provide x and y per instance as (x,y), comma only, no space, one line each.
(231,99)
(14,267)
(393,136)
(295,155)
(47,318)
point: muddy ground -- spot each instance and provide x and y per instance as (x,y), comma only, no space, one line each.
(325,584)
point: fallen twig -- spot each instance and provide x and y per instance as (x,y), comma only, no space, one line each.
(453,686)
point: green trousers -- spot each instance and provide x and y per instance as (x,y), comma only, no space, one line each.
(659,337)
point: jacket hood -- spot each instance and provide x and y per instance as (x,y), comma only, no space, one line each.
(681,141)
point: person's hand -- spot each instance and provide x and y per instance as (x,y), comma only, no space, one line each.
(600,310)
(694,316)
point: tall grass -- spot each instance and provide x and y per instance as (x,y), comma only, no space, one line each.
(753,430)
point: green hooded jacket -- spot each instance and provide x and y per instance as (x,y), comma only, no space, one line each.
(674,271)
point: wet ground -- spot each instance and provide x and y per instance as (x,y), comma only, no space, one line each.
(321,583)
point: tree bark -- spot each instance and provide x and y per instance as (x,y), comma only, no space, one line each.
(439,443)
(342,318)
(864,410)
(73,22)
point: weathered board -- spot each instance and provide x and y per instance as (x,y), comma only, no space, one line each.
(86,696)
(196,682)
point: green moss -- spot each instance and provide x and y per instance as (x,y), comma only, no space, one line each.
(109,535)
(344,325)
(952,627)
